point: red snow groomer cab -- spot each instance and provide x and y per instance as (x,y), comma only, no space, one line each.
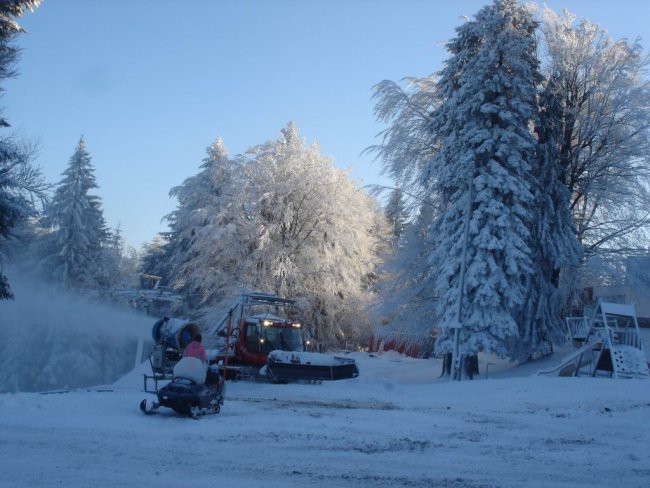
(262,336)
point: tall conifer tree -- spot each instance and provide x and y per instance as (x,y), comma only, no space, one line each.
(73,251)
(201,199)
(553,240)
(396,214)
(488,87)
(20,183)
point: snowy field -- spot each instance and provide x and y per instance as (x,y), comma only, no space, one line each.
(395,425)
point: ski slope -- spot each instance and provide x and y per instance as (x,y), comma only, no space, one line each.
(395,425)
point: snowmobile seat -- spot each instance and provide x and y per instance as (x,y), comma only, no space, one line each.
(190,368)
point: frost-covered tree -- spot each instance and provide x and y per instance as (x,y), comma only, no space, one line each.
(197,224)
(475,120)
(10,11)
(285,220)
(406,297)
(406,292)
(73,250)
(154,259)
(407,143)
(556,250)
(465,140)
(314,234)
(396,214)
(602,99)
(482,256)
(21,185)
(118,263)
(22,188)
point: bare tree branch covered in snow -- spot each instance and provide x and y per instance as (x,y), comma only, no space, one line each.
(603,92)
(408,137)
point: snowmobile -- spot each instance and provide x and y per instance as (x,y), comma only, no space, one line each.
(193,391)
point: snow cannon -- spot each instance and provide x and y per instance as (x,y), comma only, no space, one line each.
(171,337)
(174,333)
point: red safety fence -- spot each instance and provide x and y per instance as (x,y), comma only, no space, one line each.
(410,344)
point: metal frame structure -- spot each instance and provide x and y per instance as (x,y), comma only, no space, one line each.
(609,340)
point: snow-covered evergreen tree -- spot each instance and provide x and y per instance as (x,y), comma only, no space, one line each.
(73,250)
(20,183)
(196,226)
(396,214)
(154,259)
(483,167)
(556,250)
(117,264)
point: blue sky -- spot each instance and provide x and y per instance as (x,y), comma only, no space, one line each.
(150,84)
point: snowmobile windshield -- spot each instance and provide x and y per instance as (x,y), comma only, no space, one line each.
(283,338)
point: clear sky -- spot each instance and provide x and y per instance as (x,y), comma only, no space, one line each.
(151,83)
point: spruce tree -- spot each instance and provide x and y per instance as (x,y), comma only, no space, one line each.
(20,183)
(197,217)
(154,259)
(73,250)
(483,167)
(396,214)
(555,247)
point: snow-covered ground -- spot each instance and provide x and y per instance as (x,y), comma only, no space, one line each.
(395,425)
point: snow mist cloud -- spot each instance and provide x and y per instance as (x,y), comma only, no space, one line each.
(50,339)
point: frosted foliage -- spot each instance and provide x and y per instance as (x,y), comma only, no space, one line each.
(407,291)
(73,254)
(153,259)
(21,185)
(488,86)
(407,144)
(314,231)
(556,249)
(603,106)
(471,122)
(117,263)
(396,215)
(202,202)
(284,220)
